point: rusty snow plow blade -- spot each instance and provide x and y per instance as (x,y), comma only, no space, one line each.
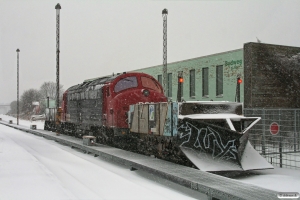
(218,146)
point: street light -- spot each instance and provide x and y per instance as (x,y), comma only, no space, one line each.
(57,7)
(18,86)
(165,14)
(57,120)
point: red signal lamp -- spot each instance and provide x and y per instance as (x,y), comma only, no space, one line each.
(239,80)
(180,80)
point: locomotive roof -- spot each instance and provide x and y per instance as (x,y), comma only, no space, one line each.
(99,78)
(95,81)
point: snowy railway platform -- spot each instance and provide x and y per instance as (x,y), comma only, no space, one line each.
(209,186)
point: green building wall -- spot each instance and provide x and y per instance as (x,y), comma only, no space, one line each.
(233,67)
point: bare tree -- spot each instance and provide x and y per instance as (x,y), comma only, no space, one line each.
(27,98)
(48,89)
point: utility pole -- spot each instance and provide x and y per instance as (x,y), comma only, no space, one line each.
(165,14)
(18,86)
(58,111)
(57,7)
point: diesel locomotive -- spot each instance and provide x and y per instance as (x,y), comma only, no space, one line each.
(130,111)
(102,104)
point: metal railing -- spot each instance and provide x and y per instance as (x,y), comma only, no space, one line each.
(277,135)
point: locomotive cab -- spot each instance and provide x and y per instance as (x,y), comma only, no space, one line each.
(99,106)
(127,90)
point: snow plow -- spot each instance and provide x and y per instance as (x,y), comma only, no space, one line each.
(211,136)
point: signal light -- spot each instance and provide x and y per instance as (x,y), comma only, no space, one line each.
(239,80)
(180,80)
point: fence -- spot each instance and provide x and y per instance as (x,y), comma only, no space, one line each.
(277,135)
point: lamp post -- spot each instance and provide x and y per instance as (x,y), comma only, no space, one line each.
(57,120)
(165,14)
(18,86)
(57,7)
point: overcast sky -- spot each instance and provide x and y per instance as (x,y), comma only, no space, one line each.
(98,37)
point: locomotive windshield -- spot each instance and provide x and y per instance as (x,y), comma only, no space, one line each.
(150,83)
(126,83)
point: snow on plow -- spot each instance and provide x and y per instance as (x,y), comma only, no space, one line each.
(214,137)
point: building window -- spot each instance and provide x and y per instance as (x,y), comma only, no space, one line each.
(169,84)
(205,82)
(192,83)
(219,80)
(159,78)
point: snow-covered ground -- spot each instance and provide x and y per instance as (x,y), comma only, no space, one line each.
(32,167)
(278,179)
(39,123)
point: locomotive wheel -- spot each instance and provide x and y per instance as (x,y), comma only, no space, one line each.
(62,128)
(161,147)
(46,126)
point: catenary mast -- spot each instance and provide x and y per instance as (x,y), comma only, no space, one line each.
(18,86)
(165,14)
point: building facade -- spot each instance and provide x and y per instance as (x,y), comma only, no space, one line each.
(269,73)
(206,78)
(272,76)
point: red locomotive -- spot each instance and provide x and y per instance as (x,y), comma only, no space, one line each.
(130,111)
(100,106)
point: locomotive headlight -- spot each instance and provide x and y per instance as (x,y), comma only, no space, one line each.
(145,92)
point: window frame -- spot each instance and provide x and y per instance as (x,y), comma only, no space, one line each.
(153,81)
(159,79)
(125,88)
(219,80)
(192,83)
(169,85)
(205,82)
